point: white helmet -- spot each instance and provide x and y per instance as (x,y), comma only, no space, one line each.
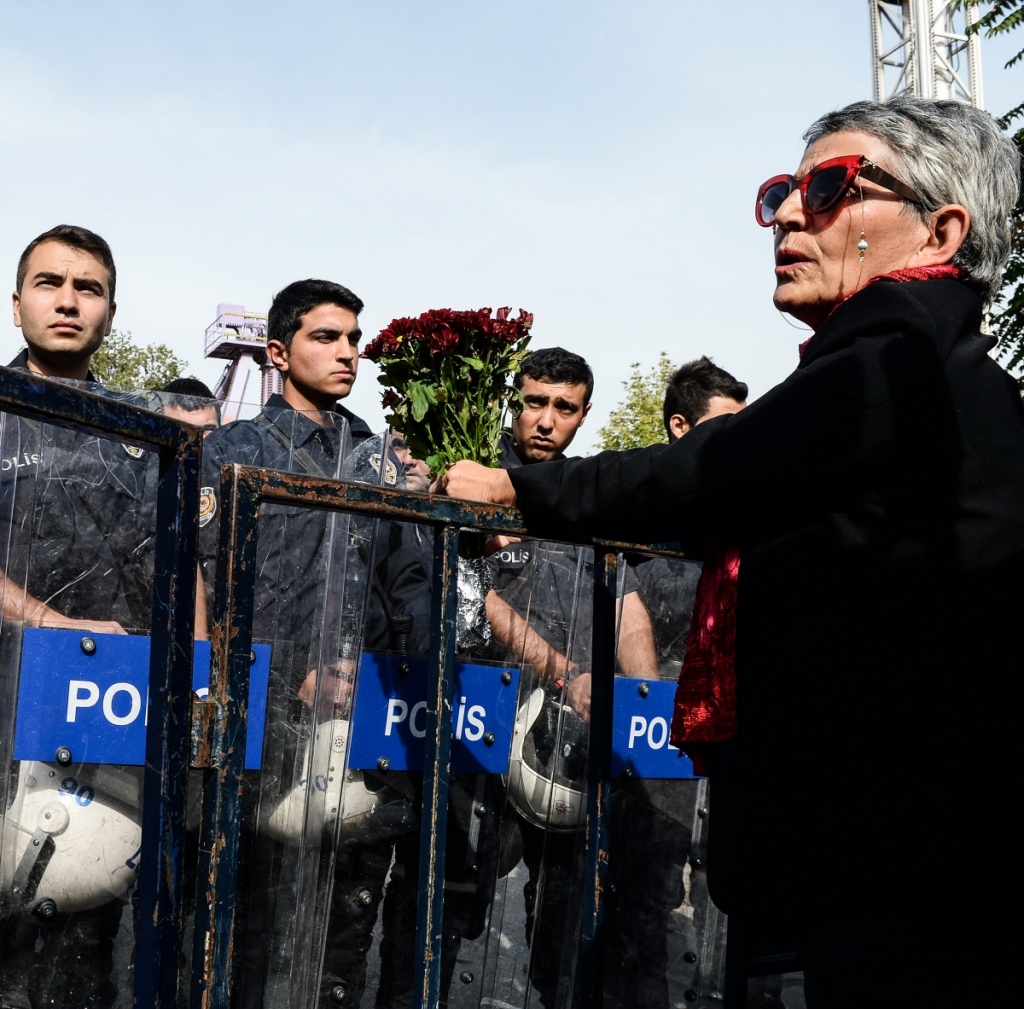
(366,813)
(547,767)
(72,838)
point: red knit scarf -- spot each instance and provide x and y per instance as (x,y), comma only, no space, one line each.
(705,708)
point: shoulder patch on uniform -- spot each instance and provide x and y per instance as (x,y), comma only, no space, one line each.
(390,469)
(133,450)
(207,505)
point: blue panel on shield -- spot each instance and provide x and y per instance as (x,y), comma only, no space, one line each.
(91,698)
(643,714)
(390,715)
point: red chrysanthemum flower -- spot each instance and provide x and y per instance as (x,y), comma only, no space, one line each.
(443,340)
(450,371)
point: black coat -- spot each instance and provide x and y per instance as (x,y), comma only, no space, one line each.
(878,498)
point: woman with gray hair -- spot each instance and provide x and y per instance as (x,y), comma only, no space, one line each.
(851,672)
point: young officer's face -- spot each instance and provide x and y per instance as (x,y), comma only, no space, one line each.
(64,307)
(552,414)
(323,357)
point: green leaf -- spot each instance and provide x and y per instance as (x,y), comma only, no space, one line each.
(419,397)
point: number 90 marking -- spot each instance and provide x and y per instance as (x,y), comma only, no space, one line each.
(84,794)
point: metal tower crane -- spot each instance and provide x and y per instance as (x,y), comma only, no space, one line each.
(240,338)
(922,46)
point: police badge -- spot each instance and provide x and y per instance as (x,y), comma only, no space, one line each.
(207,506)
(390,469)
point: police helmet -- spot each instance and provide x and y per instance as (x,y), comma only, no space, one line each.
(71,839)
(547,768)
(368,809)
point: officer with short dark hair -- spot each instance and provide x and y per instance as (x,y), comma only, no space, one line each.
(538,617)
(73,561)
(313,339)
(698,391)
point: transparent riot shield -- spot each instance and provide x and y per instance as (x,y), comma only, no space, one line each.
(664,938)
(317,836)
(484,709)
(330,889)
(77,527)
(376,837)
(360,898)
(540,629)
(298,563)
(368,922)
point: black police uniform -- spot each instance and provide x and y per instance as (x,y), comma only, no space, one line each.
(668,588)
(78,524)
(292,555)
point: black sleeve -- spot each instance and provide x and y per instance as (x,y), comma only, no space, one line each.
(804,444)
(406,586)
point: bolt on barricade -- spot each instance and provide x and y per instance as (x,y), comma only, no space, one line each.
(78,518)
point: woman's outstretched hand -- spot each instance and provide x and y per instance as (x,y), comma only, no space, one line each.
(469,481)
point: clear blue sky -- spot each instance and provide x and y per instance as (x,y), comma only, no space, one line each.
(592,162)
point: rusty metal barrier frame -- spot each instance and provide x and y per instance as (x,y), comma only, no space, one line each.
(211,733)
(221,718)
(179,448)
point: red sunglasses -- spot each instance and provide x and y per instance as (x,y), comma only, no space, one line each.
(824,186)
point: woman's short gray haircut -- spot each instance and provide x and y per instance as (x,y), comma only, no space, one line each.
(947,152)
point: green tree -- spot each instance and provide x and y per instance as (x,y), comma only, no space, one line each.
(1007,313)
(121,363)
(637,421)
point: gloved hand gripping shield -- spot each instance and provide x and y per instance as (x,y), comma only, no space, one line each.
(77,542)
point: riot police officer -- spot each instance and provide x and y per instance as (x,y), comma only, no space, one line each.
(313,339)
(72,563)
(536,614)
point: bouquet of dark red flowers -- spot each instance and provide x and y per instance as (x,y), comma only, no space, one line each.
(449,381)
